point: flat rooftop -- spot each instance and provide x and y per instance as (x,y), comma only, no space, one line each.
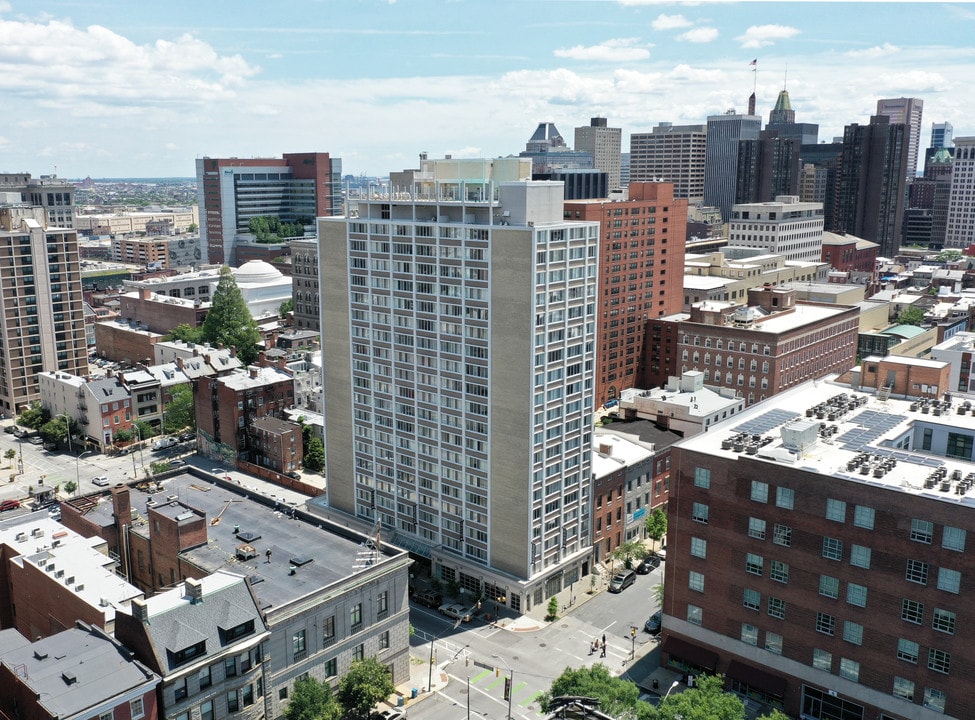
(853,436)
(321,552)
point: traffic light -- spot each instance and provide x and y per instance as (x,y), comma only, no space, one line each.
(497,672)
(507,688)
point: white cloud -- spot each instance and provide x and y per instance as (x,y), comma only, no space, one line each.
(5,6)
(874,52)
(617,50)
(761,35)
(670,22)
(699,35)
(3,141)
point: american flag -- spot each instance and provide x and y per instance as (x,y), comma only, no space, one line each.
(754,62)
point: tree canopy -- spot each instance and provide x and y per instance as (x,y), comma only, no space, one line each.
(185,332)
(35,416)
(630,550)
(180,412)
(58,427)
(367,683)
(229,321)
(314,459)
(270,229)
(656,525)
(312,699)
(910,316)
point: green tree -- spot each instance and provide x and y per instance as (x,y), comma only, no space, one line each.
(910,316)
(10,455)
(707,700)
(70,487)
(553,609)
(192,228)
(947,256)
(617,697)
(656,526)
(286,307)
(123,435)
(774,715)
(57,428)
(314,459)
(657,592)
(180,412)
(229,321)
(146,430)
(629,551)
(312,699)
(367,683)
(186,333)
(34,417)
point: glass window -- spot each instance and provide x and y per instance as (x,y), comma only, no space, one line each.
(756,528)
(136,708)
(907,650)
(359,652)
(205,677)
(904,688)
(749,634)
(922,530)
(917,572)
(944,621)
(773,642)
(298,642)
(699,513)
(776,607)
(699,547)
(696,581)
(860,556)
(331,667)
(939,660)
(382,602)
(754,563)
(949,580)
(832,548)
(782,535)
(825,623)
(233,705)
(835,510)
(822,660)
(384,640)
(779,571)
(759,491)
(935,699)
(829,586)
(863,516)
(849,669)
(959,446)
(702,477)
(853,632)
(355,615)
(694,614)
(953,538)
(912,612)
(230,667)
(752,599)
(328,630)
(856,594)
(785,498)
(206,710)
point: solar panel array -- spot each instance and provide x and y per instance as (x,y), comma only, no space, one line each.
(765,422)
(871,424)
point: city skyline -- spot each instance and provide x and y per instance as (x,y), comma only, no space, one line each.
(115,89)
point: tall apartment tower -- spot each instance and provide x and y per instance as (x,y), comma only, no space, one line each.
(725,133)
(768,167)
(604,144)
(960,228)
(460,312)
(299,187)
(42,326)
(50,192)
(671,153)
(908,112)
(641,237)
(870,181)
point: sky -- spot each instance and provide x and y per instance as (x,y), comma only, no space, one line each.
(123,88)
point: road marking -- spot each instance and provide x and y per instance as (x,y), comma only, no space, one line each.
(481,675)
(531,699)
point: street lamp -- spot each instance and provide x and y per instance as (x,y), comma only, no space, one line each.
(77,470)
(67,427)
(632,642)
(509,682)
(671,689)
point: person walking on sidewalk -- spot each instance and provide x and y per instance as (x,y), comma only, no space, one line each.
(602,652)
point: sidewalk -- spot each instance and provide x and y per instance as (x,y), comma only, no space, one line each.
(569,599)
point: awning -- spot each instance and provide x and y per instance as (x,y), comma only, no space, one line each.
(690,652)
(772,684)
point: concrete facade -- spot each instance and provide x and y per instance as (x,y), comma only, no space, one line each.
(785,226)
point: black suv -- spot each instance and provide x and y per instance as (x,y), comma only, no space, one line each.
(648,564)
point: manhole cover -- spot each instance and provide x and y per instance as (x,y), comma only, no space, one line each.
(463,691)
(542,644)
(514,657)
(564,626)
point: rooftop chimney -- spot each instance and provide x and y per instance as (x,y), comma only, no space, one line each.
(140,611)
(194,590)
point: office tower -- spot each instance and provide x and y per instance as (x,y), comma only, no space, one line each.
(42,327)
(784,226)
(870,191)
(548,152)
(603,143)
(725,133)
(782,119)
(941,135)
(832,579)
(460,317)
(767,168)
(50,192)
(960,224)
(908,112)
(671,153)
(641,236)
(925,218)
(297,188)
(304,278)
(624,169)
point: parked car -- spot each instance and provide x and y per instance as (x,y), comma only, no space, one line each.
(650,563)
(164,443)
(653,623)
(429,598)
(455,611)
(187,436)
(100,480)
(10,429)
(20,433)
(176,463)
(621,581)
(293,475)
(9,505)
(36,440)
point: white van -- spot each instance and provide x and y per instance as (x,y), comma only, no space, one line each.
(163,443)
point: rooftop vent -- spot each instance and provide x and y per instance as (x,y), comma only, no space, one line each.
(68,677)
(300,560)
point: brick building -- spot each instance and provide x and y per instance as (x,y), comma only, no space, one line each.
(847,253)
(640,239)
(760,349)
(159,312)
(832,578)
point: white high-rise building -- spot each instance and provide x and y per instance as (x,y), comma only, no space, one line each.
(459,318)
(785,226)
(906,111)
(960,227)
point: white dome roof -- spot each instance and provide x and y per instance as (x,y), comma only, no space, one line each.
(257,272)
